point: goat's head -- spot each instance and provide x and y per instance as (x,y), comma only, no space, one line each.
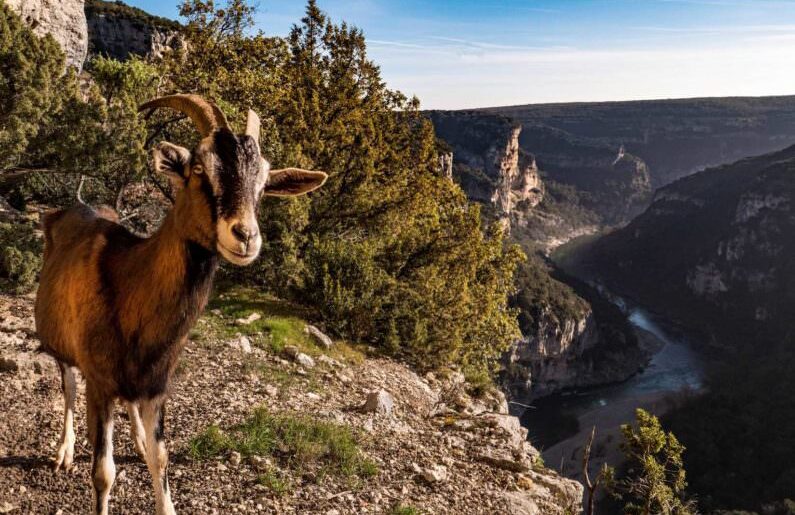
(228,172)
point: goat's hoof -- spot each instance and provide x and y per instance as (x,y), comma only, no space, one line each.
(64,461)
(63,465)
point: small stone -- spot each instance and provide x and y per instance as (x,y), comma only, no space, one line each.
(22,489)
(59,512)
(271,390)
(319,336)
(379,402)
(221,467)
(6,507)
(331,362)
(291,351)
(121,476)
(249,319)
(435,474)
(305,360)
(368,425)
(216,312)
(524,483)
(312,396)
(235,458)
(241,343)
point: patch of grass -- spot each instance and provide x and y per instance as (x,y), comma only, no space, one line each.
(211,442)
(300,442)
(404,509)
(276,481)
(282,324)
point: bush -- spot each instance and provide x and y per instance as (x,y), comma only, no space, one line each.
(20,257)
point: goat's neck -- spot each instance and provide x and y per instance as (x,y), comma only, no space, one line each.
(176,267)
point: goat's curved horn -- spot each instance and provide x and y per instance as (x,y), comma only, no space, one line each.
(205,116)
(252,125)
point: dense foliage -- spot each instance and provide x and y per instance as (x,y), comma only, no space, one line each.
(389,251)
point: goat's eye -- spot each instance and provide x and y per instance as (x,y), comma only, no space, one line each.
(198,169)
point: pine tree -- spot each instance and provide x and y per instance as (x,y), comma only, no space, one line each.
(655,482)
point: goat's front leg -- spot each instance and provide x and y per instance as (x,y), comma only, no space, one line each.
(153,414)
(66,450)
(137,430)
(100,432)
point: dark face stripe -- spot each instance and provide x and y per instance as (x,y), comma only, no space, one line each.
(237,167)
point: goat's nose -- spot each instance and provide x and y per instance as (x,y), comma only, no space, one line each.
(243,232)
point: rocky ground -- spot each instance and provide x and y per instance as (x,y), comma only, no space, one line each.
(436,449)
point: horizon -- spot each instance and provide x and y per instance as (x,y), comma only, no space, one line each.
(468,55)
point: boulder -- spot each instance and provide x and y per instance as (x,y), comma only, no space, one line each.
(380,402)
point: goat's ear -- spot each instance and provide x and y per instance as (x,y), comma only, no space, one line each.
(290,182)
(172,161)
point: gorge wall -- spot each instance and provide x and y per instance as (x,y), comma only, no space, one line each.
(486,160)
(568,340)
(119,31)
(674,137)
(713,251)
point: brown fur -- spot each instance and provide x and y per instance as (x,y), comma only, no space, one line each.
(118,306)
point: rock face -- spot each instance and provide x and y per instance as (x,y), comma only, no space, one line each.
(713,251)
(674,137)
(487,162)
(120,31)
(64,20)
(501,163)
(572,338)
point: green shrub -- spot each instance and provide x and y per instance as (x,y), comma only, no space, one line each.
(20,257)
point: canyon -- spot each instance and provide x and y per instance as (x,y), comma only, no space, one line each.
(597,165)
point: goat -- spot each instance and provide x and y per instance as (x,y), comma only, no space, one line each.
(118,307)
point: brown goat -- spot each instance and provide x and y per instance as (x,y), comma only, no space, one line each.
(118,307)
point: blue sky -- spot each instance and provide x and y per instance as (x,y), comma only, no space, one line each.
(467,53)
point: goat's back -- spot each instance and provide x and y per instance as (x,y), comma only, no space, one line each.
(69,284)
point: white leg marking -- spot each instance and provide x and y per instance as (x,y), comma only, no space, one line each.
(66,451)
(157,455)
(105,468)
(137,431)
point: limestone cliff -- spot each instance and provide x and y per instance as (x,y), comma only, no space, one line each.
(487,161)
(571,337)
(119,31)
(713,251)
(64,20)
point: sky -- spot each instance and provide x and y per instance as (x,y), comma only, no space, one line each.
(456,54)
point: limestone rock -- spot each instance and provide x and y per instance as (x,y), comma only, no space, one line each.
(319,336)
(241,343)
(253,317)
(379,402)
(64,20)
(504,460)
(305,360)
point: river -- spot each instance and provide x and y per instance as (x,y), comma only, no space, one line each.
(674,367)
